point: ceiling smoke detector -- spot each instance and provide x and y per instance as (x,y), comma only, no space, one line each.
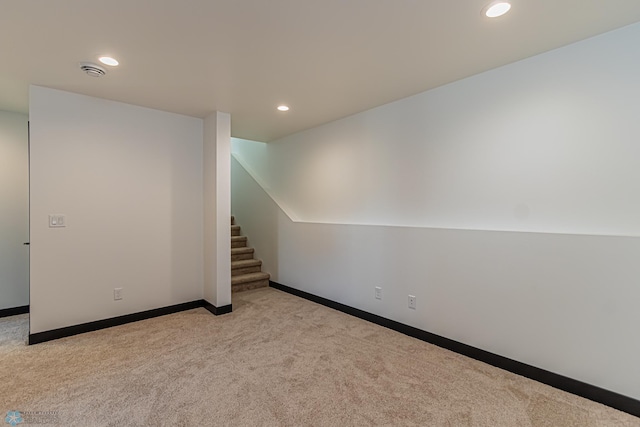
(92,70)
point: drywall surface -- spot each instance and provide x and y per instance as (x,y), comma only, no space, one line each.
(129,182)
(547,144)
(506,203)
(564,303)
(256,214)
(14,210)
(217,209)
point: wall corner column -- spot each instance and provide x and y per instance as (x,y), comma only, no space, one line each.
(217,212)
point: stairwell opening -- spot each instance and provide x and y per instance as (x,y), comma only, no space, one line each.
(246,271)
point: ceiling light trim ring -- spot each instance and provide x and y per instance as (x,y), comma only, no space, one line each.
(109,60)
(496,8)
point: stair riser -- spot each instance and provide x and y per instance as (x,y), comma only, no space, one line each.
(248,274)
(245,270)
(248,278)
(250,285)
(240,257)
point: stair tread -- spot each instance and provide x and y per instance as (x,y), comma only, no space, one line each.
(250,277)
(245,263)
(238,237)
(243,250)
(235,227)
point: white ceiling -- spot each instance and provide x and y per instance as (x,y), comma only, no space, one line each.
(325,58)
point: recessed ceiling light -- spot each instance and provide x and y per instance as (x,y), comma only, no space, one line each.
(283,108)
(107,60)
(496,8)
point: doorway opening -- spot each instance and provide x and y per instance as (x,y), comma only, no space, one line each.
(14,228)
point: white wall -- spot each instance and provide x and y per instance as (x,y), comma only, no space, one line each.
(217,209)
(548,144)
(129,180)
(506,202)
(257,215)
(14,210)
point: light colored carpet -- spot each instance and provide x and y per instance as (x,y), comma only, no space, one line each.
(277,360)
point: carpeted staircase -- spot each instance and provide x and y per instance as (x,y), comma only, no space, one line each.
(246,272)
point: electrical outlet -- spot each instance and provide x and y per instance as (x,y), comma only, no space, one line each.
(412,302)
(117,294)
(378,292)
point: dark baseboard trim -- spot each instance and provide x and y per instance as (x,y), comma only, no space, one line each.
(14,311)
(54,334)
(591,392)
(217,310)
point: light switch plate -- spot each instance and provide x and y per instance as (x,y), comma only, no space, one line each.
(57,221)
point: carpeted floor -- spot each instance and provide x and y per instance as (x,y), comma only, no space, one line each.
(277,360)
